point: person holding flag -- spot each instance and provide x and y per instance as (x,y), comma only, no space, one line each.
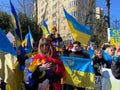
(55,38)
(15,17)
(46,69)
(8,57)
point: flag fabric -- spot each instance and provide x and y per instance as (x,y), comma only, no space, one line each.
(8,57)
(5,45)
(28,42)
(57,47)
(45,29)
(17,30)
(39,60)
(79,32)
(23,52)
(79,72)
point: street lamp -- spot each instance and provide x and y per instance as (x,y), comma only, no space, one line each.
(108,12)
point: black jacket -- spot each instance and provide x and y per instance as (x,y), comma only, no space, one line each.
(80,54)
(98,64)
(116,68)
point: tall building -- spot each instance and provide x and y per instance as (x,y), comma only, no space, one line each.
(52,12)
(99,13)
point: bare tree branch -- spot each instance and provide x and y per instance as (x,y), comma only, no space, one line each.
(90,10)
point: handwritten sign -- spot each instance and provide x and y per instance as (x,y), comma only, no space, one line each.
(114,36)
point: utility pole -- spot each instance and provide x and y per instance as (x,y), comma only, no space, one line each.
(108,12)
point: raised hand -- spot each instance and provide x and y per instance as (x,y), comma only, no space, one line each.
(45,66)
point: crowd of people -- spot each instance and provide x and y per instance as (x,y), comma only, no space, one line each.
(43,70)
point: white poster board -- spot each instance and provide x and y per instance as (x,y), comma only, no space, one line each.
(10,36)
(108,80)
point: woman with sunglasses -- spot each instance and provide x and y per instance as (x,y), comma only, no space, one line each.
(46,68)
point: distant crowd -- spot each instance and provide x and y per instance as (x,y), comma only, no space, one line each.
(42,69)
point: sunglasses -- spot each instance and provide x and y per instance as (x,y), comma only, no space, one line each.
(45,45)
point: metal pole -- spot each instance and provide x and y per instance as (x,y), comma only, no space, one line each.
(36,5)
(108,11)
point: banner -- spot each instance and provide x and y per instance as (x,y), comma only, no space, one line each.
(114,35)
(11,37)
(79,72)
(108,80)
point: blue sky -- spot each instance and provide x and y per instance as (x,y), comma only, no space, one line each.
(114,8)
(5,5)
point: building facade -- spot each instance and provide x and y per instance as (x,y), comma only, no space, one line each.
(52,12)
(99,13)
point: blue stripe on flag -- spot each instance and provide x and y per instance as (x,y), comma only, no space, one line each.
(17,30)
(5,44)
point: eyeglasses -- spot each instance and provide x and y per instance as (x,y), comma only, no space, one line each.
(45,45)
(75,45)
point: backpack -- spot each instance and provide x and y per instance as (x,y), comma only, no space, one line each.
(115,68)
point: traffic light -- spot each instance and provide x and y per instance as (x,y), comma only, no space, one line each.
(107,19)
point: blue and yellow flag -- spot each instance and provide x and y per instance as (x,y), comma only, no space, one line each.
(17,28)
(79,72)
(28,42)
(8,57)
(45,29)
(79,32)
(5,44)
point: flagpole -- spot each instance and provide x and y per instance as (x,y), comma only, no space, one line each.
(17,31)
(20,32)
(16,44)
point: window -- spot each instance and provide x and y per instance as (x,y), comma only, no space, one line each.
(79,14)
(74,3)
(76,13)
(42,3)
(64,27)
(54,14)
(82,5)
(54,6)
(46,19)
(42,17)
(42,9)
(54,23)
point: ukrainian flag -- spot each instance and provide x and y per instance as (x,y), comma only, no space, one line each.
(17,30)
(45,29)
(8,57)
(28,42)
(79,32)
(79,72)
